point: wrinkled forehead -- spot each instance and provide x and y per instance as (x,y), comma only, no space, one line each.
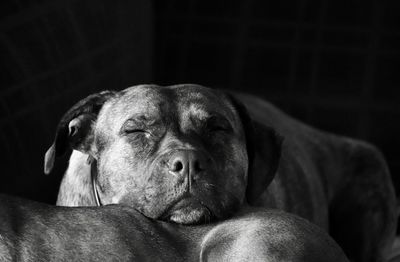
(159,103)
(201,102)
(141,101)
(145,99)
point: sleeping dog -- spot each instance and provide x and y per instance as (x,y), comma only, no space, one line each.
(188,154)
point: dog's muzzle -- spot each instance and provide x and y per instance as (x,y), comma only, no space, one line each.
(187,164)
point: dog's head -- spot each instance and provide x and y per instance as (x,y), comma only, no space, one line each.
(184,153)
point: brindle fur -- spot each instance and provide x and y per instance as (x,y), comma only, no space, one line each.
(31,231)
(338,183)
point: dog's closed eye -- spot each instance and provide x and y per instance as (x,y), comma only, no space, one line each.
(218,123)
(133,126)
(133,130)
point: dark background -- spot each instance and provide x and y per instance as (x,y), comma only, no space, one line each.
(333,64)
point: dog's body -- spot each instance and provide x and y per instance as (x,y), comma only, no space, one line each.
(340,184)
(31,231)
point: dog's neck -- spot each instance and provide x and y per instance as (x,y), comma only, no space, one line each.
(78,179)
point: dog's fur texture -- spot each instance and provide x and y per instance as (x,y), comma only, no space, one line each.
(31,231)
(132,138)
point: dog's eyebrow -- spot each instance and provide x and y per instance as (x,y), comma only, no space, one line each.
(142,119)
(212,117)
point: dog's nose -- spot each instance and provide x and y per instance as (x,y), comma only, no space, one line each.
(187,163)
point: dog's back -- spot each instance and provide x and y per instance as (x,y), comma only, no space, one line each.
(339,183)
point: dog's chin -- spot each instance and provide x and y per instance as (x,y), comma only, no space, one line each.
(190,216)
(189,212)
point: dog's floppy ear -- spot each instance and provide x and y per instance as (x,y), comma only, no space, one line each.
(75,128)
(263,150)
